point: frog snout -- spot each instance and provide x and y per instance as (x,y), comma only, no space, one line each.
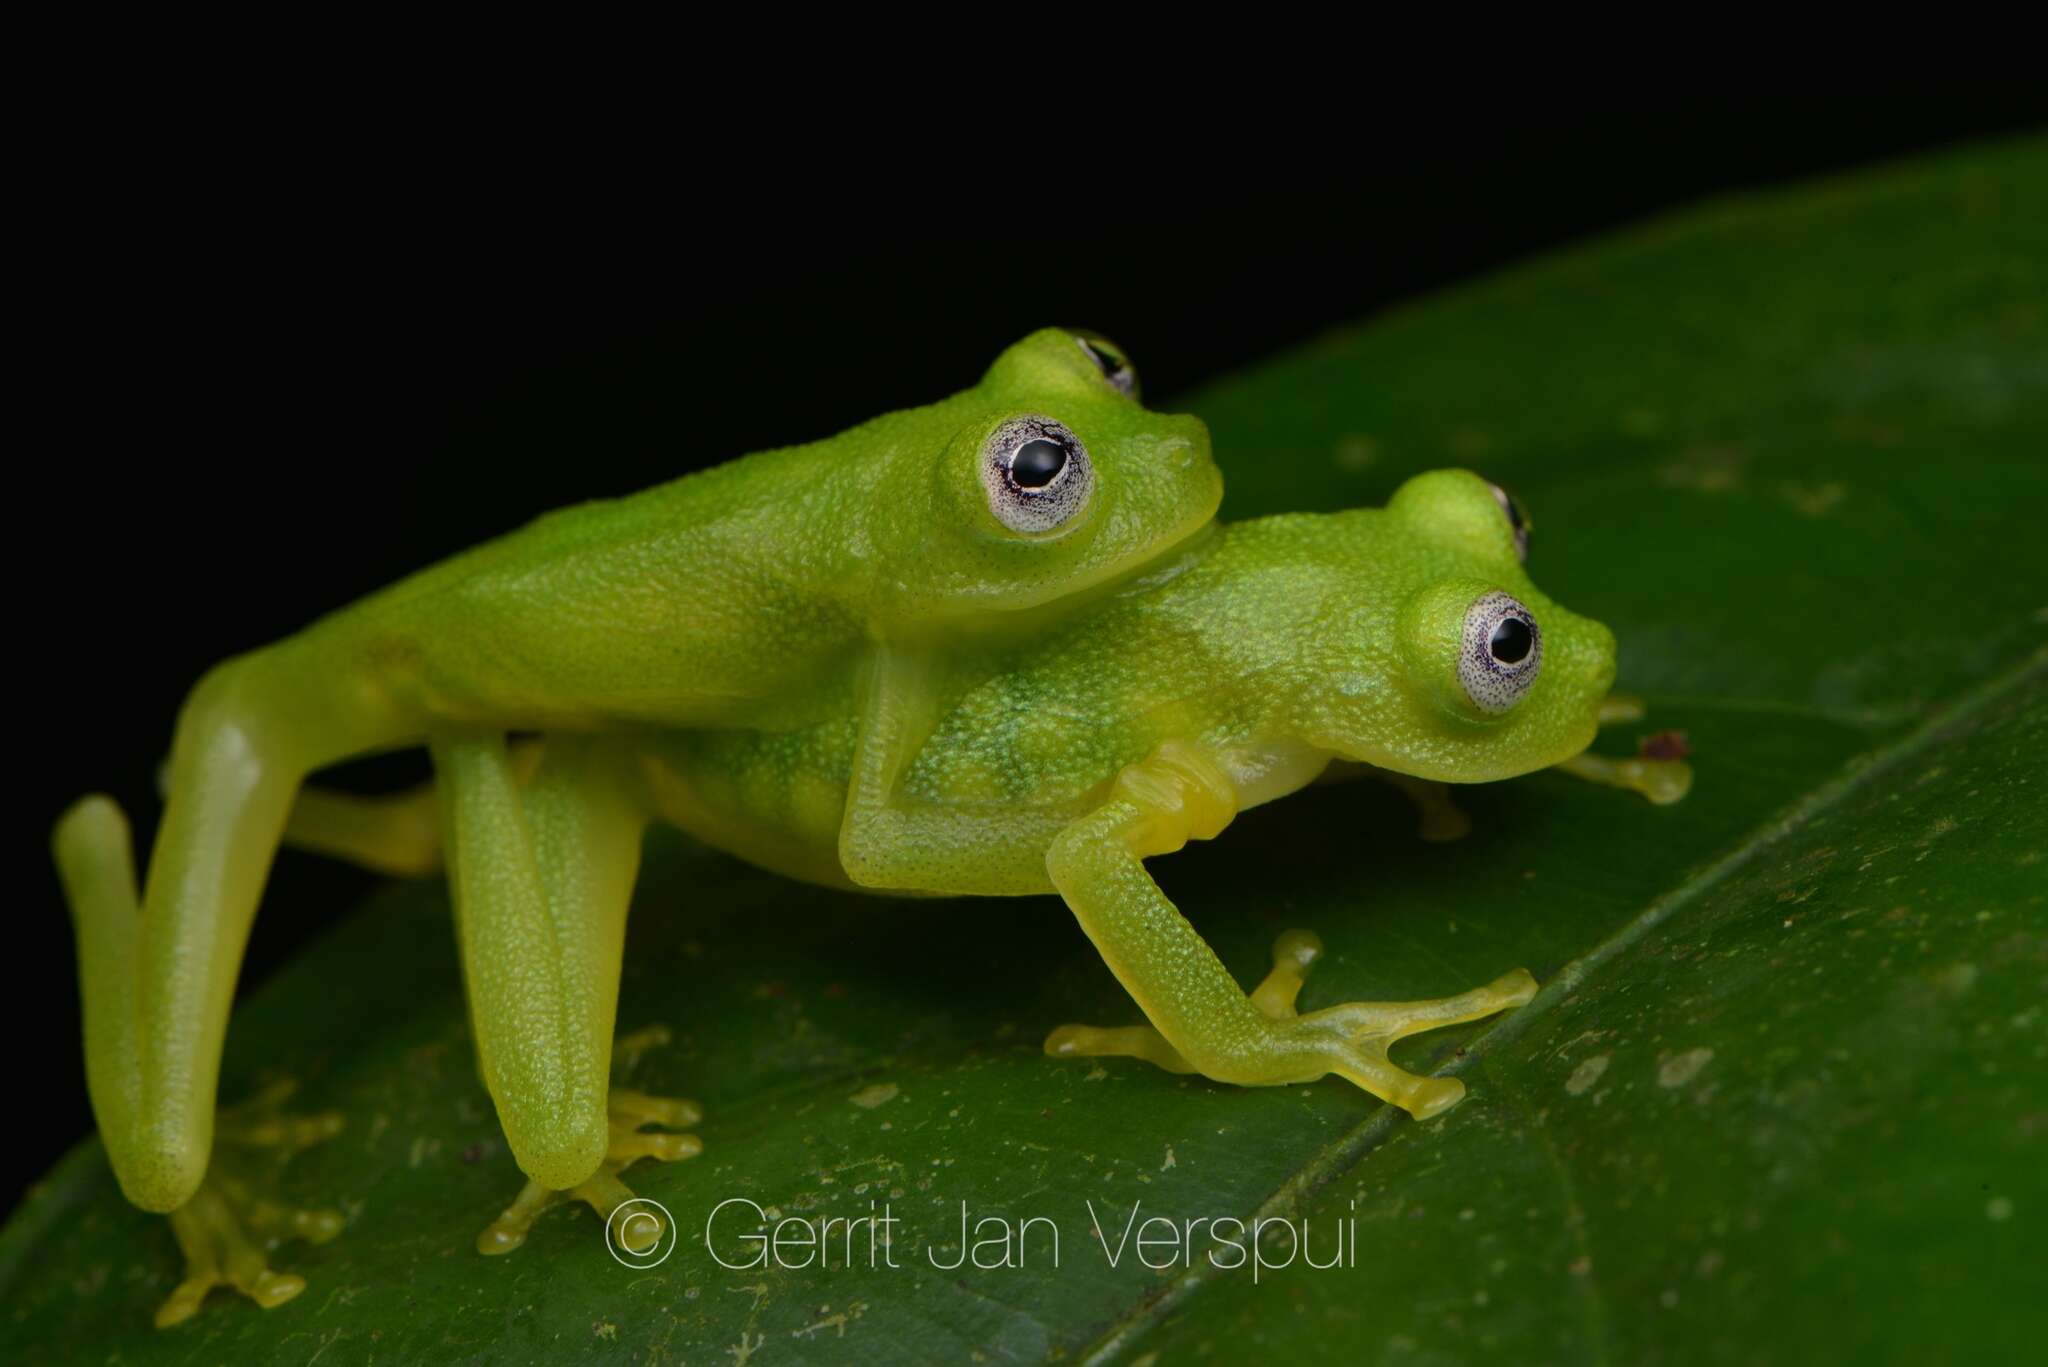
(1590,662)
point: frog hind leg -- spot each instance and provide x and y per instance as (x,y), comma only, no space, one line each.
(395,833)
(228,1227)
(604,1192)
(157,970)
(1196,1009)
(398,835)
(542,875)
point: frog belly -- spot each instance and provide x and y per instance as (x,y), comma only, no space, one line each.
(774,799)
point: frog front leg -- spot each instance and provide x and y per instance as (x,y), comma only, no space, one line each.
(1659,773)
(542,876)
(1202,1020)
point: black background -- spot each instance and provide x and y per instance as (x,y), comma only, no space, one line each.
(275,396)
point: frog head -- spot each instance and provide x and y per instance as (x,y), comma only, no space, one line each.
(1047,478)
(1445,660)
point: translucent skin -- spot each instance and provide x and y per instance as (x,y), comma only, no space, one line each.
(833,661)
(733,597)
(1273,646)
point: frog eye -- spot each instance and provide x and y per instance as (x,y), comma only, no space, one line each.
(1518,521)
(1501,652)
(1110,359)
(1037,474)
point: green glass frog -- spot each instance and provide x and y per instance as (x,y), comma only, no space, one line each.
(993,646)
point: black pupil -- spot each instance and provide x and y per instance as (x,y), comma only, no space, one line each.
(1510,641)
(1037,462)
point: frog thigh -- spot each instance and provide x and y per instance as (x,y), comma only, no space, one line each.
(541,880)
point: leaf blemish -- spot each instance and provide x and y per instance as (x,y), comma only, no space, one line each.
(1587,1073)
(1675,1070)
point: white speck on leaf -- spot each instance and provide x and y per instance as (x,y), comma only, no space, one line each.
(1587,1073)
(1678,1069)
(873,1095)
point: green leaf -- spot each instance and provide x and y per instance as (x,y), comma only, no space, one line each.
(1780,1099)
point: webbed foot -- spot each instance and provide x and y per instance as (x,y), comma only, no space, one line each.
(227,1229)
(603,1192)
(1350,1040)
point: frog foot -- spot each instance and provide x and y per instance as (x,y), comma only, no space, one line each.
(1658,770)
(1350,1040)
(603,1192)
(228,1228)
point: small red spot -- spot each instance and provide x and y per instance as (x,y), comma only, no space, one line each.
(835,991)
(1664,745)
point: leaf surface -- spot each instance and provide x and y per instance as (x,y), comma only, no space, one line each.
(1780,1100)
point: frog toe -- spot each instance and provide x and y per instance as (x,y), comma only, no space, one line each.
(261,1123)
(1364,1031)
(229,1227)
(1116,1041)
(219,1252)
(1294,954)
(627,1143)
(602,1191)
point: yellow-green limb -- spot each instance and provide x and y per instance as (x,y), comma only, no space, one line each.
(1201,1021)
(542,875)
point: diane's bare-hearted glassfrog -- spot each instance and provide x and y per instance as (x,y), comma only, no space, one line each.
(993,646)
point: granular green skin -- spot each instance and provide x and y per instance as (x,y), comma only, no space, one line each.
(879,661)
